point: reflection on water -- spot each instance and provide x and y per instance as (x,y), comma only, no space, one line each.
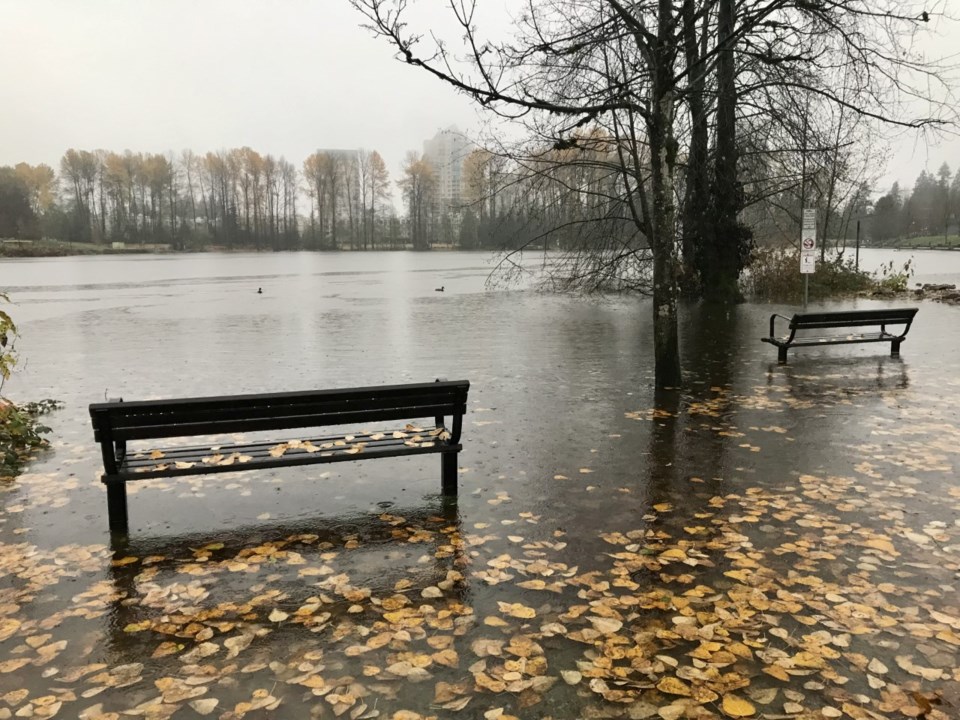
(798,515)
(841,377)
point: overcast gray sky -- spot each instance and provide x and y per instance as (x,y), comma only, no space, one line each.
(283,76)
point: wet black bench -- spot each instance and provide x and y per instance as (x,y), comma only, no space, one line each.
(842,319)
(116,423)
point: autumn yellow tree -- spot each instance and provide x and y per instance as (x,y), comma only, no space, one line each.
(418,186)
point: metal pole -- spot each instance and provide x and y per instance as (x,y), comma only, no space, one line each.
(857,263)
(806,289)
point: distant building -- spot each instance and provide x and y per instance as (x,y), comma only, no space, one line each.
(445,153)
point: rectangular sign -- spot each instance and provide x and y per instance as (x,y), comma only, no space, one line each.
(808,241)
(808,232)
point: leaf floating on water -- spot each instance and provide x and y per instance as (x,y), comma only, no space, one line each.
(485,647)
(571,677)
(517,610)
(237,644)
(673,686)
(737,707)
(8,626)
(204,706)
(607,626)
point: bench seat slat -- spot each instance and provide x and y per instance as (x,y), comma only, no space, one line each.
(140,466)
(230,443)
(840,340)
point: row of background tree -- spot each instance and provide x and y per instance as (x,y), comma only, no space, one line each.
(234,198)
(558,198)
(931,210)
(241,199)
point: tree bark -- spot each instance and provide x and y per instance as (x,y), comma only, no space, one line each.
(726,254)
(663,148)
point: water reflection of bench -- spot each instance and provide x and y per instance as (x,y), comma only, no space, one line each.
(841,378)
(838,320)
(117,422)
(345,561)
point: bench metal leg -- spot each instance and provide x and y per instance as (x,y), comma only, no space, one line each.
(448,473)
(781,355)
(117,506)
(895,348)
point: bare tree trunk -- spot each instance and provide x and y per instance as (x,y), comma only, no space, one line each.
(728,252)
(697,230)
(663,148)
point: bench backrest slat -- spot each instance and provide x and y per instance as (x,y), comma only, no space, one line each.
(858,318)
(272,411)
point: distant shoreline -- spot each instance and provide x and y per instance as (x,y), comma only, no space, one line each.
(40,249)
(10,248)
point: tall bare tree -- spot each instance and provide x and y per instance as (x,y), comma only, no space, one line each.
(627,65)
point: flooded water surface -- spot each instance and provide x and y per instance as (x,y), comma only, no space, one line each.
(768,541)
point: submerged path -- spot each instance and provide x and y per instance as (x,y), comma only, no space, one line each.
(770,542)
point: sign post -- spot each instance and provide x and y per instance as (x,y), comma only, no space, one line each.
(808,250)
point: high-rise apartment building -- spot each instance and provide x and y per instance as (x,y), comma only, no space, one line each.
(445,153)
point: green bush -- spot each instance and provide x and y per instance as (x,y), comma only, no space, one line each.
(774,274)
(21,433)
(890,279)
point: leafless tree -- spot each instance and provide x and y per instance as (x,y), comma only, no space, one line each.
(633,66)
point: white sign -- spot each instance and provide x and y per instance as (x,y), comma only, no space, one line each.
(808,241)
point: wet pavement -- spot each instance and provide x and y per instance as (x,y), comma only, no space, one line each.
(769,541)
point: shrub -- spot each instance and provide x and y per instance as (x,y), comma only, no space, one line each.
(774,274)
(21,432)
(891,279)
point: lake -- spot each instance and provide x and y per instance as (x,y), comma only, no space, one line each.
(575,478)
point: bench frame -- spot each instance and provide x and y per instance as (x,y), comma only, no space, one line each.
(841,319)
(116,422)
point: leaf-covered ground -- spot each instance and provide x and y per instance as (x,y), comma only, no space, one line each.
(772,543)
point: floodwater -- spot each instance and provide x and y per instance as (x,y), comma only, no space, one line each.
(801,518)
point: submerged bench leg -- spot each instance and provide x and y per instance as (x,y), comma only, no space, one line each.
(781,355)
(117,506)
(895,348)
(448,473)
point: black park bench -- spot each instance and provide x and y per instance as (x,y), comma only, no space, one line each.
(116,423)
(837,320)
